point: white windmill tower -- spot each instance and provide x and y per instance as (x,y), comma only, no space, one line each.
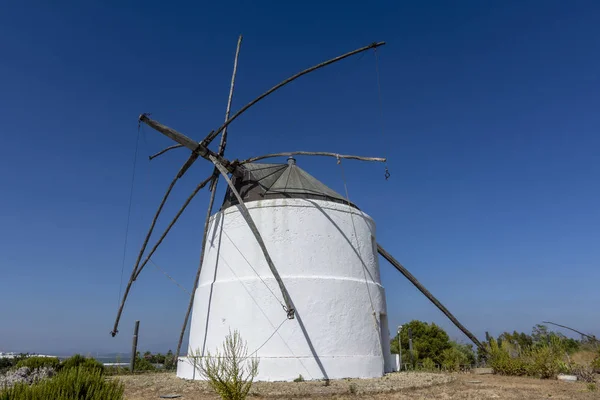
(288,262)
(326,256)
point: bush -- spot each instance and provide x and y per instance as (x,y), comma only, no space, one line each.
(429,341)
(456,356)
(80,361)
(596,364)
(428,365)
(39,362)
(143,364)
(226,372)
(70,384)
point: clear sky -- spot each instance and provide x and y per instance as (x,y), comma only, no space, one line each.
(490,115)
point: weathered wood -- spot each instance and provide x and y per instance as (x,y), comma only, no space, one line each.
(312,153)
(289,308)
(163,151)
(135,272)
(427,294)
(197,149)
(591,337)
(213,190)
(173,221)
(134,346)
(214,134)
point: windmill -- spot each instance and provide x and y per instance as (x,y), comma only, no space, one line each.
(286,260)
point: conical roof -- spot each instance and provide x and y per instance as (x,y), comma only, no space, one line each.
(274,181)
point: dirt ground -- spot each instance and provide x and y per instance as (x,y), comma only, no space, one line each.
(393,386)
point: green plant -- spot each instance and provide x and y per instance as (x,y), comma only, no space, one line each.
(300,378)
(456,356)
(80,361)
(230,372)
(591,387)
(429,341)
(36,362)
(77,383)
(352,388)
(596,363)
(428,365)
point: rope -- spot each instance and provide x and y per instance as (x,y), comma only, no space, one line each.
(269,338)
(358,251)
(387,172)
(253,269)
(137,143)
(168,276)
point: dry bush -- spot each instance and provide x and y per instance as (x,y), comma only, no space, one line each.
(230,372)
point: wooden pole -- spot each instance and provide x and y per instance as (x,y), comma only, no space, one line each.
(427,294)
(313,153)
(289,307)
(134,346)
(211,202)
(214,134)
(591,337)
(136,271)
(410,347)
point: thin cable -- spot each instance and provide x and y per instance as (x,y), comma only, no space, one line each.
(168,276)
(269,338)
(253,269)
(377,327)
(137,143)
(387,172)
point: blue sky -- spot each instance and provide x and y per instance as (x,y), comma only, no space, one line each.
(490,115)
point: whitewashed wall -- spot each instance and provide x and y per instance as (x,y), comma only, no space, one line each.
(332,276)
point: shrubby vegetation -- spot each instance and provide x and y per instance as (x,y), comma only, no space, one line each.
(230,371)
(542,354)
(77,383)
(432,347)
(41,378)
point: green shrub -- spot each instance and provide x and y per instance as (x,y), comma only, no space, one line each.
(456,356)
(77,383)
(230,372)
(300,378)
(143,364)
(429,341)
(39,362)
(428,365)
(596,363)
(80,361)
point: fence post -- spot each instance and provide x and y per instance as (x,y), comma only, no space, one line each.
(410,346)
(134,346)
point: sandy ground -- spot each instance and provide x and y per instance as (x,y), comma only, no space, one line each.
(393,386)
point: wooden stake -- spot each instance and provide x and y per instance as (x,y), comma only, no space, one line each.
(213,190)
(427,294)
(134,346)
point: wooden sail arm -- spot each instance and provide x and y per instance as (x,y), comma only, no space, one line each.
(214,133)
(310,153)
(289,308)
(198,149)
(427,294)
(591,337)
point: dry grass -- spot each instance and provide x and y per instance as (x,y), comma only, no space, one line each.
(584,357)
(393,386)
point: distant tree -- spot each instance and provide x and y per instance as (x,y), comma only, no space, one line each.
(429,341)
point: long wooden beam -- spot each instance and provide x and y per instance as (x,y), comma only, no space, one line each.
(427,294)
(214,133)
(211,202)
(198,149)
(289,307)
